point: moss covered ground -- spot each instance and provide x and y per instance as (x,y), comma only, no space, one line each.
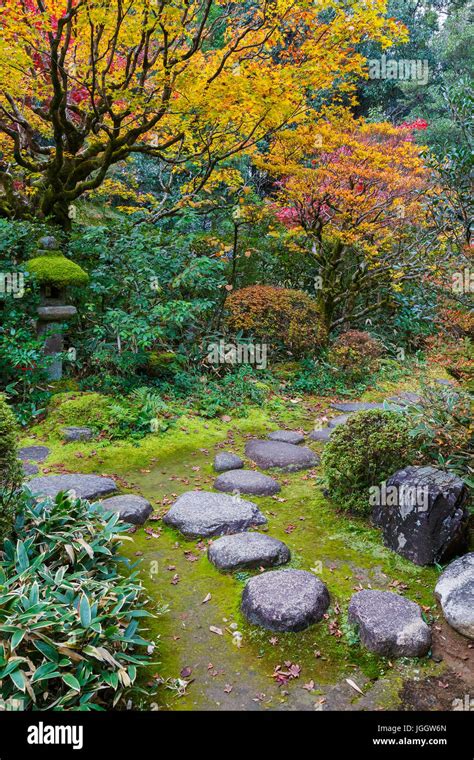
(210,658)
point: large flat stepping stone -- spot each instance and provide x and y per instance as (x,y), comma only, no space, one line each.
(247,481)
(202,513)
(225,460)
(247,550)
(442,381)
(321,435)
(455,593)
(285,600)
(285,456)
(85,486)
(389,624)
(33,453)
(132,509)
(76,433)
(287,436)
(340,420)
(356,406)
(425,518)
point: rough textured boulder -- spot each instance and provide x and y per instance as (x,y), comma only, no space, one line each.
(247,550)
(286,436)
(247,481)
(455,593)
(340,420)
(285,600)
(33,453)
(429,523)
(76,433)
(389,624)
(84,486)
(321,435)
(225,460)
(201,513)
(132,509)
(356,406)
(285,456)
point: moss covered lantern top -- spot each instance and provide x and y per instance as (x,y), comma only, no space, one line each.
(51,267)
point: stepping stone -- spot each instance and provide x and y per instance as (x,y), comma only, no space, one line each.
(455,593)
(321,435)
(441,381)
(247,550)
(336,421)
(202,513)
(426,519)
(85,486)
(285,600)
(33,453)
(132,509)
(389,624)
(356,406)
(225,460)
(285,456)
(76,434)
(287,436)
(247,481)
(30,469)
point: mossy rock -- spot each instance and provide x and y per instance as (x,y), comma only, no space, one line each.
(79,409)
(160,363)
(286,370)
(56,270)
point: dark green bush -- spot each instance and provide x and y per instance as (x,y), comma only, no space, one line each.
(10,468)
(69,617)
(365,451)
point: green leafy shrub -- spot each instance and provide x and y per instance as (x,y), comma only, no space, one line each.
(11,473)
(443,424)
(69,617)
(56,270)
(356,353)
(365,451)
(279,316)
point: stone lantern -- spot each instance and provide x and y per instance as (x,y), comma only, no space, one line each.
(54,273)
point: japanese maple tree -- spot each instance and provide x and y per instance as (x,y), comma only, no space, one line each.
(85,84)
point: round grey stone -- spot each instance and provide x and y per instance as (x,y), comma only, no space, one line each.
(321,435)
(30,469)
(84,486)
(285,456)
(356,406)
(287,436)
(76,433)
(340,420)
(455,593)
(56,313)
(202,513)
(285,600)
(389,624)
(132,509)
(48,243)
(33,453)
(247,550)
(442,381)
(226,460)
(405,398)
(247,481)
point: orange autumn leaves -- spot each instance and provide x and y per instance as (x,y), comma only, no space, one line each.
(84,84)
(356,182)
